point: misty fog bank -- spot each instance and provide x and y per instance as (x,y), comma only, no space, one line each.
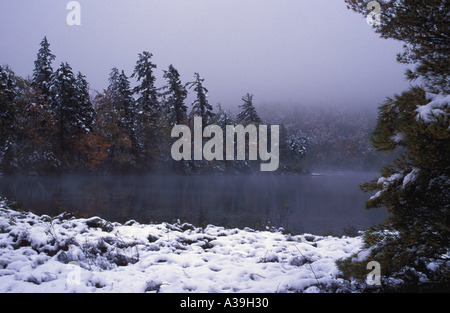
(337,137)
(300,203)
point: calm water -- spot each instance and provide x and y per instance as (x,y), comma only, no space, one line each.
(313,204)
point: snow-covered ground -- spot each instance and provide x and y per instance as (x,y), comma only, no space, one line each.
(67,254)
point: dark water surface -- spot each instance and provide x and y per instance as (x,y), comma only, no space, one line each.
(302,203)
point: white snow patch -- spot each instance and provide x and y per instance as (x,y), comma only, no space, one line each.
(398,138)
(387,181)
(376,195)
(410,177)
(438,105)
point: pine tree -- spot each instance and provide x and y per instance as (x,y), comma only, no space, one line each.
(222,119)
(8,113)
(146,90)
(248,113)
(43,72)
(175,109)
(85,110)
(89,144)
(175,95)
(248,116)
(63,106)
(415,188)
(148,104)
(113,82)
(8,94)
(72,110)
(127,104)
(200,106)
(122,97)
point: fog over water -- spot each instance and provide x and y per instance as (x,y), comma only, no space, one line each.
(317,203)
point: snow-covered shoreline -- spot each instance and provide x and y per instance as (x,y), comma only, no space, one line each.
(40,254)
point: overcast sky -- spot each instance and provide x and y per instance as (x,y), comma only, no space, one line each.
(296,51)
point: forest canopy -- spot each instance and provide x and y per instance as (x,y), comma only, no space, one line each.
(52,123)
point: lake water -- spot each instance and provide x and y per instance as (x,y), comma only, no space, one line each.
(315,204)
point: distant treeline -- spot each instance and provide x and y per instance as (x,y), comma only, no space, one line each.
(337,138)
(50,124)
